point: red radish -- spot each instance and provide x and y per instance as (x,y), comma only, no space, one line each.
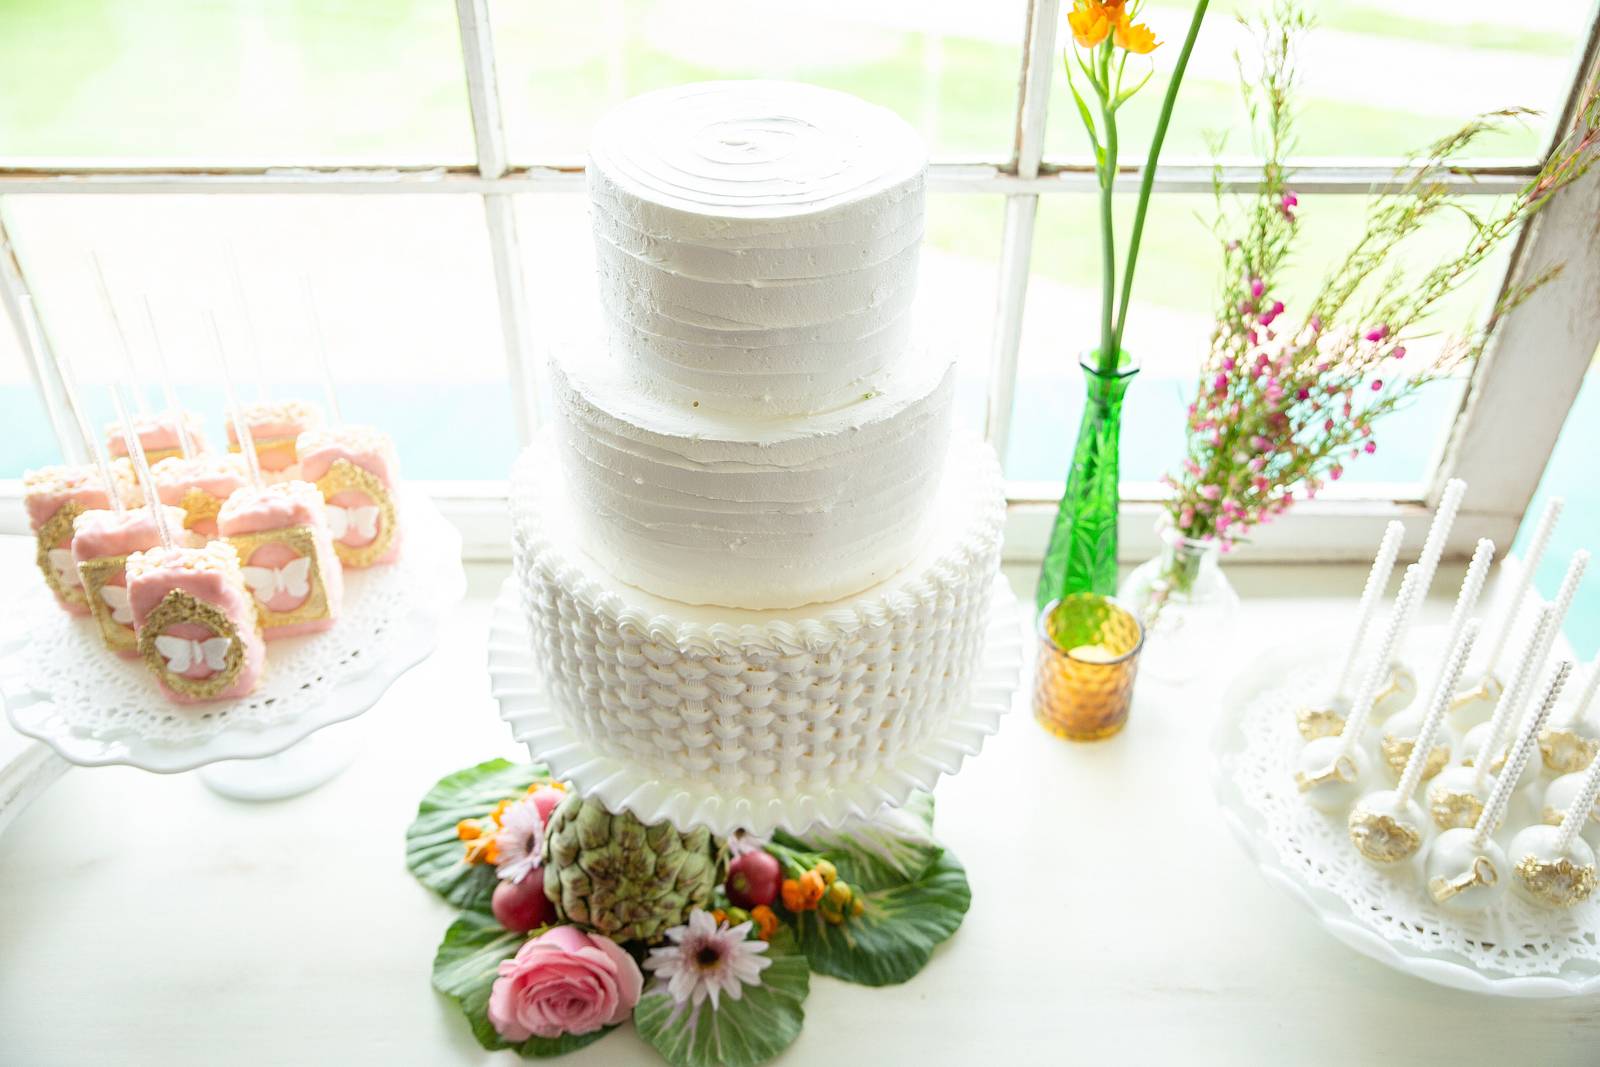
(753,880)
(522,906)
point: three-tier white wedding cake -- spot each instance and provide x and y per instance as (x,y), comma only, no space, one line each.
(750,552)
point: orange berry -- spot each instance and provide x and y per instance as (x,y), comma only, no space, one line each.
(766,921)
(812,887)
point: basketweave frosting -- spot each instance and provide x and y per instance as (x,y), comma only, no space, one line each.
(799,698)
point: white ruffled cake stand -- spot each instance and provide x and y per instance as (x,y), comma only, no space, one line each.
(1512,949)
(61,686)
(645,791)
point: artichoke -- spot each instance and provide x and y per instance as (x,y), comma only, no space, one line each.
(612,873)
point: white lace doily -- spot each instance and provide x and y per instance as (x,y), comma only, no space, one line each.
(60,684)
(622,784)
(1512,949)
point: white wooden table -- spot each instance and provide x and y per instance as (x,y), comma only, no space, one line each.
(145,920)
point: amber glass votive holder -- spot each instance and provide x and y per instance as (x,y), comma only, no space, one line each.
(1088,657)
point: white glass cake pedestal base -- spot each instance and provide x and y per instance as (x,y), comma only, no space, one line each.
(59,685)
(620,784)
(1511,950)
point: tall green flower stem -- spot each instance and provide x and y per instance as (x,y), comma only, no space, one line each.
(1082,553)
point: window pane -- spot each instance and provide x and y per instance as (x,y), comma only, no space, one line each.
(955,293)
(404,290)
(1169,328)
(300,81)
(1570,475)
(1375,81)
(950,69)
(29,440)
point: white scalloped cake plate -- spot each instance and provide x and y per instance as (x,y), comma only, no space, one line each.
(1338,918)
(408,639)
(516,683)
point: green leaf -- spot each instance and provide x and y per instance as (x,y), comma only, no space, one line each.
(465,968)
(889,850)
(433,852)
(763,1022)
(893,938)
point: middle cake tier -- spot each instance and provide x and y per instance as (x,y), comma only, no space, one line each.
(708,507)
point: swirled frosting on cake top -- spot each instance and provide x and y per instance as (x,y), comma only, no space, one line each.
(757,242)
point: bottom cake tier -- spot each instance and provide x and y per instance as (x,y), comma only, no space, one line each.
(775,703)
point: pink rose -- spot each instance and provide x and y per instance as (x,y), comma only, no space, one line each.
(564,982)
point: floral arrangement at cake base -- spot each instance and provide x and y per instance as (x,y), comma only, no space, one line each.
(575,919)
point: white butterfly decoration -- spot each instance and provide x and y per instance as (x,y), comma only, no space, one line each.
(291,579)
(65,567)
(116,598)
(361,521)
(183,654)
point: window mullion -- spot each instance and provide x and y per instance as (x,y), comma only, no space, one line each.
(37,356)
(488,131)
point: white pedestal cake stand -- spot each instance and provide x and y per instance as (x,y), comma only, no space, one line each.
(1512,950)
(61,686)
(624,784)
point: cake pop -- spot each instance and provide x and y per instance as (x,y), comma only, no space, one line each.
(1324,715)
(1569,747)
(1553,866)
(1457,796)
(1465,870)
(355,469)
(1401,731)
(1559,797)
(1330,770)
(280,533)
(1388,826)
(1401,687)
(195,620)
(1474,704)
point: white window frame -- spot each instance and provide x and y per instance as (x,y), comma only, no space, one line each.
(1535,365)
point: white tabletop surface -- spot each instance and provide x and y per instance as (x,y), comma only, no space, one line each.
(146,920)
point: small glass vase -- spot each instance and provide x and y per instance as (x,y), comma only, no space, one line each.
(1082,554)
(1186,604)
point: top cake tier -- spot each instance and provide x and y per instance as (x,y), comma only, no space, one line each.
(757,242)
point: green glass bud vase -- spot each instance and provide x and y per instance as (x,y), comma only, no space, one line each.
(1082,554)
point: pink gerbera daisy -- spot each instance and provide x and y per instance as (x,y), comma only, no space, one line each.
(707,958)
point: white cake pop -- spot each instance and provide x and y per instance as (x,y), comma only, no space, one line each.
(1464,870)
(1401,731)
(1569,746)
(1330,770)
(1400,689)
(1388,826)
(1477,700)
(1553,866)
(1323,715)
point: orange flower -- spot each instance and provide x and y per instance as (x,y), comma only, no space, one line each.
(766,921)
(1091,21)
(804,893)
(469,830)
(500,809)
(1134,37)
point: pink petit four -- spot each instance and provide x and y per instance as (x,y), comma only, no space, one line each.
(158,434)
(281,535)
(102,541)
(196,621)
(356,470)
(199,485)
(54,497)
(274,426)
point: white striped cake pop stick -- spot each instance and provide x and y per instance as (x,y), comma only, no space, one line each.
(1518,592)
(1432,549)
(249,324)
(321,348)
(1579,810)
(1356,723)
(1515,695)
(1494,809)
(141,468)
(1591,684)
(1471,586)
(168,389)
(1460,648)
(1371,594)
(132,368)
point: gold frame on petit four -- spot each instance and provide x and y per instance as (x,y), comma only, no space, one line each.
(179,606)
(299,538)
(93,574)
(344,476)
(58,528)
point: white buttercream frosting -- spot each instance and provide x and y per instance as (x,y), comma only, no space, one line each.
(708,507)
(757,242)
(793,700)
